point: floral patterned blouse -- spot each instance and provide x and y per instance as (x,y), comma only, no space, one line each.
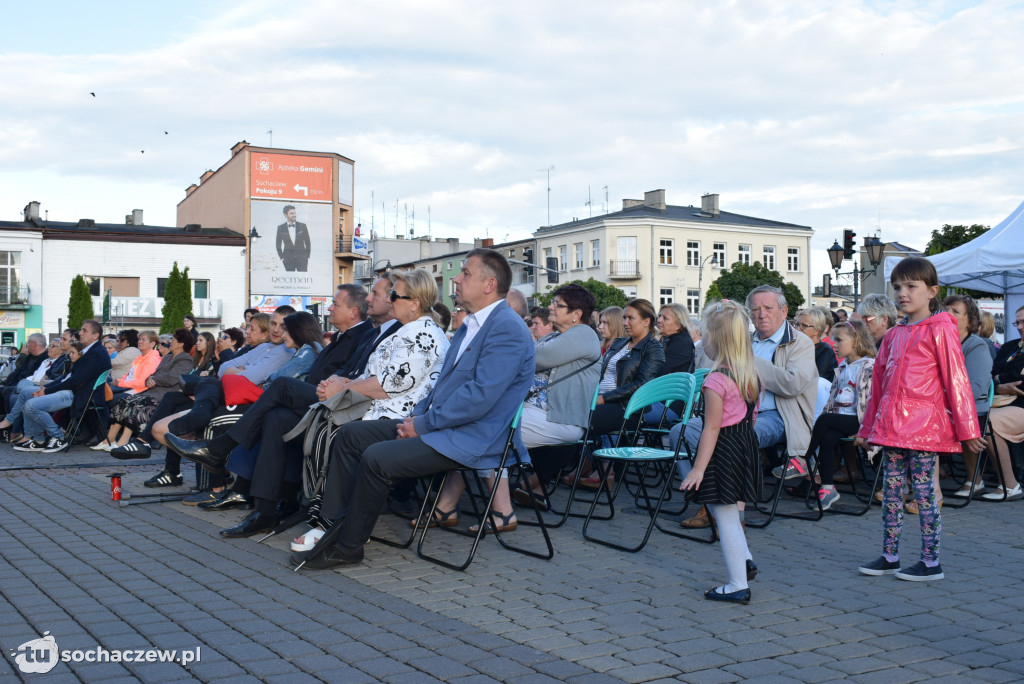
(406,365)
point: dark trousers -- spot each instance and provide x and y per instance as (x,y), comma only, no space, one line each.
(209,396)
(170,403)
(828,430)
(276,412)
(366,457)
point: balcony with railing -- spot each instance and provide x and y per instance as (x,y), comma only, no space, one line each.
(623,268)
(347,245)
(14,298)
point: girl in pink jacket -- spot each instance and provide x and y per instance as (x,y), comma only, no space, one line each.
(921,404)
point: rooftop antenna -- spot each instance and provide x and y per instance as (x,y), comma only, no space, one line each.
(413,229)
(590,205)
(606,205)
(271,134)
(373,201)
(548,172)
(428,220)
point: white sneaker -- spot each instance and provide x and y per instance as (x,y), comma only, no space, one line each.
(965,491)
(1011,495)
(55,444)
(102,446)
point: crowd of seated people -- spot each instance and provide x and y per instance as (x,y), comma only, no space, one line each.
(416,403)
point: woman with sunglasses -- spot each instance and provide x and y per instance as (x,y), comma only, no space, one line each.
(229,343)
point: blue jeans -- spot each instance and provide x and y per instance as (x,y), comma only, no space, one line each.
(654,412)
(23,391)
(39,423)
(768,427)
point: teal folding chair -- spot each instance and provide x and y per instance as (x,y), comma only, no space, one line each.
(75,423)
(668,388)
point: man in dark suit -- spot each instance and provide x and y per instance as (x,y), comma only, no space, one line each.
(462,422)
(293,242)
(73,390)
(286,401)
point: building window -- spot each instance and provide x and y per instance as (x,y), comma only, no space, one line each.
(692,253)
(547,255)
(95,284)
(744,255)
(667,252)
(769,257)
(627,248)
(718,249)
(511,254)
(693,301)
(10,275)
(577,250)
(450,264)
(629,291)
(563,257)
(793,262)
(595,252)
(201,289)
(434,267)
(667,295)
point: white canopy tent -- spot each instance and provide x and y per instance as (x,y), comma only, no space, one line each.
(992,262)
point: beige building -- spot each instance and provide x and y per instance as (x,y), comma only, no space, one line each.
(668,253)
(250,195)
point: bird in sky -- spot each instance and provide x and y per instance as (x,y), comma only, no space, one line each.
(93,94)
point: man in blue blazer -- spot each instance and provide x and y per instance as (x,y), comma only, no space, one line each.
(72,390)
(463,421)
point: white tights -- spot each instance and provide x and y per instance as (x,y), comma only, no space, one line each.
(734,544)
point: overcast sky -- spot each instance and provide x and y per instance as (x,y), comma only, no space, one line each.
(850,114)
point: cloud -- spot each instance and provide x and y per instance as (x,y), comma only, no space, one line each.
(822,114)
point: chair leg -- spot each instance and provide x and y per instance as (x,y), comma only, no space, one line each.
(653,510)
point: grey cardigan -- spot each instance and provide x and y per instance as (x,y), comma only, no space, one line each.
(979,370)
(569,401)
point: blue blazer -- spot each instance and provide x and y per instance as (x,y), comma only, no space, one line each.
(83,377)
(467,414)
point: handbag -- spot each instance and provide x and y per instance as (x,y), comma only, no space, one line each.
(1001,400)
(239,390)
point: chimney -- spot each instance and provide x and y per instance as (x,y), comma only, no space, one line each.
(190,189)
(487,242)
(31,211)
(709,204)
(206,174)
(238,147)
(135,218)
(629,204)
(655,199)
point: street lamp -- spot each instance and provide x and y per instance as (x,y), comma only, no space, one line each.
(700,277)
(837,253)
(253,235)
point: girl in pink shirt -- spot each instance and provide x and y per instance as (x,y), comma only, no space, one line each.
(725,470)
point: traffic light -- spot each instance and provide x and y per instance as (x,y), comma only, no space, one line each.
(528,258)
(848,244)
(552,263)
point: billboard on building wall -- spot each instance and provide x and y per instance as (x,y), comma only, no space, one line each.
(291,176)
(345,183)
(294,254)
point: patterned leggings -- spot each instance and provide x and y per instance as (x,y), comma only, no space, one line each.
(921,465)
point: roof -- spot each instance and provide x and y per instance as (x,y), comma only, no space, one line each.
(66,230)
(671,212)
(903,248)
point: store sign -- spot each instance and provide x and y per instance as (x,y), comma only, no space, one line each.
(152,307)
(291,177)
(12,319)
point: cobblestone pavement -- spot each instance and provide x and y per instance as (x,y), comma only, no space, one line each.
(159,576)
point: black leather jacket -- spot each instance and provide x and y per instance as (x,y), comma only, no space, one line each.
(641,365)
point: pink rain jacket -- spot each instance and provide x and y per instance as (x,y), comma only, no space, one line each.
(920,394)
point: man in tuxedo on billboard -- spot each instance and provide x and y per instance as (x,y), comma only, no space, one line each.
(293,242)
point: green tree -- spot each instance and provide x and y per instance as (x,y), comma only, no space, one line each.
(177,299)
(605,294)
(79,303)
(950,237)
(735,283)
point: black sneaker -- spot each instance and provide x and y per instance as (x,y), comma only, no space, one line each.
(164,479)
(919,572)
(880,566)
(55,444)
(30,445)
(136,448)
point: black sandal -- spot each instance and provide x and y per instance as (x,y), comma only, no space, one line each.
(507,523)
(441,519)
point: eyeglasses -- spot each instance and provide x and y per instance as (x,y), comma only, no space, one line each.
(165,344)
(458,309)
(395,296)
(225,337)
(802,326)
(1018,324)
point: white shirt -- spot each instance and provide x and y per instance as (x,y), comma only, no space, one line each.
(473,323)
